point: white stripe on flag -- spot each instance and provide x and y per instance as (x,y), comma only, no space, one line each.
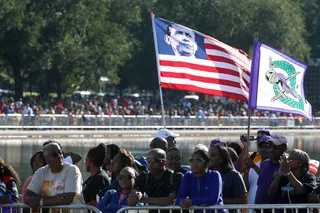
(219,87)
(236,53)
(202,74)
(205,63)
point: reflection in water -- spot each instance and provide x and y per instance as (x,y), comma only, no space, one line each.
(17,152)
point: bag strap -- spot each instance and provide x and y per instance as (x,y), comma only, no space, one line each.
(253,155)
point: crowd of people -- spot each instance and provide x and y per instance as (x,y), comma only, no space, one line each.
(128,106)
(221,173)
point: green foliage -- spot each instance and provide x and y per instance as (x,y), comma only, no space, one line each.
(63,45)
(278,23)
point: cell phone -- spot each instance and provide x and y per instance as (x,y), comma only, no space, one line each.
(244,138)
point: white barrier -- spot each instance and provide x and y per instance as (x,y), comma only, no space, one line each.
(18,121)
(287,208)
(19,207)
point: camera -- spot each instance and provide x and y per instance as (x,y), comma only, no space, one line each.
(244,138)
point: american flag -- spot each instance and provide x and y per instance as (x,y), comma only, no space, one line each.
(189,60)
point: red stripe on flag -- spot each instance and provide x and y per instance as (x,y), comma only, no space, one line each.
(200,79)
(202,68)
(234,53)
(203,90)
(227,60)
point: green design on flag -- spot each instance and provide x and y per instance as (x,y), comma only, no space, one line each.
(289,69)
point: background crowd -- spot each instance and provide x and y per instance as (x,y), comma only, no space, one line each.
(218,174)
(115,105)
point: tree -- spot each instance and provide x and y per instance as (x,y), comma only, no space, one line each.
(19,40)
(279,23)
(65,41)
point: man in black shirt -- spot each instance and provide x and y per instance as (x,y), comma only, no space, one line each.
(174,158)
(159,186)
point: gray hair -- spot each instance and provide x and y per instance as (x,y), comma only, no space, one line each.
(302,156)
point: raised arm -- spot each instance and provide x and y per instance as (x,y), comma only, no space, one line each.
(75,157)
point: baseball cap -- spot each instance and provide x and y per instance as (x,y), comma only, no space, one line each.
(263,139)
(278,140)
(141,161)
(218,141)
(164,133)
(262,132)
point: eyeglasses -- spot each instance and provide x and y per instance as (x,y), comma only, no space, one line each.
(54,154)
(196,160)
(176,158)
(154,160)
(124,177)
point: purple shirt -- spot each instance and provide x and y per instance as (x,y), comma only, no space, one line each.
(268,171)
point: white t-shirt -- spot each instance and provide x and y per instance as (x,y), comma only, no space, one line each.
(46,183)
(253,179)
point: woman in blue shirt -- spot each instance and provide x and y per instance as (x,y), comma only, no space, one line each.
(114,200)
(203,187)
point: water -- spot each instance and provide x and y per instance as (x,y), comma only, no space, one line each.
(17,152)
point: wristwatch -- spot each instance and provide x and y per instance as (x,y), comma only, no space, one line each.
(41,202)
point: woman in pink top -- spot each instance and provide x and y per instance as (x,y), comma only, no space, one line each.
(36,161)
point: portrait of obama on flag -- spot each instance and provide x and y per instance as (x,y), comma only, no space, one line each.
(192,61)
(183,42)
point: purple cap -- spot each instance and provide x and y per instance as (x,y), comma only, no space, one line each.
(264,139)
(218,141)
(278,140)
(263,132)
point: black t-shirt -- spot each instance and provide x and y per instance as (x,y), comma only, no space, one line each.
(94,184)
(232,184)
(159,188)
(114,185)
(287,194)
(182,170)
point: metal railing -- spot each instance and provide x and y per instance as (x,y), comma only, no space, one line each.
(287,208)
(18,121)
(20,207)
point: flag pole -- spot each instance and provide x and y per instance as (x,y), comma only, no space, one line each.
(255,38)
(158,69)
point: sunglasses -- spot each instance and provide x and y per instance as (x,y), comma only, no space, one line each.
(196,160)
(124,177)
(176,158)
(154,160)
